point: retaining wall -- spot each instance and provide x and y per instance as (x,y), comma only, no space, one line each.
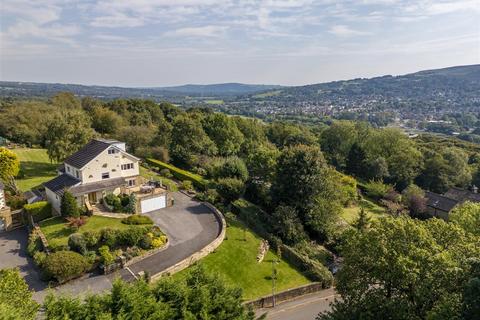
(199,254)
(267,301)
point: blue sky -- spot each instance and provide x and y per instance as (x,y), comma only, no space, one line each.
(166,42)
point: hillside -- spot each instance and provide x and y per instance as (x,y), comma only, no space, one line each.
(177,93)
(425,95)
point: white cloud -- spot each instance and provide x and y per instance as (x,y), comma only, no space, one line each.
(205,31)
(346,31)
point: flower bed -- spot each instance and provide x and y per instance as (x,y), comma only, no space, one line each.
(104,243)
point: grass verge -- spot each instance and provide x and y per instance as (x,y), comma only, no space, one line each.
(374,211)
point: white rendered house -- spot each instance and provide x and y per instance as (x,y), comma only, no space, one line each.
(99,168)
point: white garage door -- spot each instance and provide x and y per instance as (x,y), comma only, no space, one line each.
(153,204)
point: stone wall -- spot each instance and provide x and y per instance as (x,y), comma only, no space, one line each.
(199,254)
(267,301)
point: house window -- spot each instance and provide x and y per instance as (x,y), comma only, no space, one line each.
(68,169)
(112,151)
(105,175)
(127,166)
(77,174)
(131,182)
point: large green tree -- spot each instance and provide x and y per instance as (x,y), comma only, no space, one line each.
(189,140)
(16,301)
(223,131)
(337,140)
(198,295)
(67,132)
(9,167)
(402,268)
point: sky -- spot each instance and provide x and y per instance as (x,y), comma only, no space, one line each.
(140,43)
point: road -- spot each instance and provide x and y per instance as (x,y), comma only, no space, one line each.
(189,225)
(302,308)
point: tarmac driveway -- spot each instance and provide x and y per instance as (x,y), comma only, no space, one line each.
(13,254)
(189,225)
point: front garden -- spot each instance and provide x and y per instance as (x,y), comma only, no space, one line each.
(67,247)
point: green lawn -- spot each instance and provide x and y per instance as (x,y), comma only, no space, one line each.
(36,168)
(235,261)
(374,211)
(150,175)
(57,232)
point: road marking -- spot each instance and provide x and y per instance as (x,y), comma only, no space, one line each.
(302,304)
(133,274)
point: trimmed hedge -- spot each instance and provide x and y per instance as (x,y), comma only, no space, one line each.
(137,219)
(65,265)
(180,174)
(39,210)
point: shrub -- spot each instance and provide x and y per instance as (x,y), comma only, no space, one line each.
(180,174)
(69,205)
(65,265)
(109,237)
(137,219)
(15,201)
(34,244)
(233,167)
(166,173)
(146,242)
(76,222)
(114,202)
(91,257)
(39,210)
(132,252)
(76,242)
(187,185)
(131,236)
(211,196)
(39,258)
(377,189)
(160,241)
(230,189)
(106,255)
(91,238)
(131,206)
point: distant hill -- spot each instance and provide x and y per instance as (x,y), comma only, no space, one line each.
(425,94)
(221,88)
(33,89)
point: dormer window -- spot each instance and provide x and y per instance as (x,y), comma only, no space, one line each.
(112,151)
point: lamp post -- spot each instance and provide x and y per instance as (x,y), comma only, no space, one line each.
(274,278)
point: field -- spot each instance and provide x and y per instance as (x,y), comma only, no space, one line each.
(57,232)
(374,211)
(36,168)
(235,261)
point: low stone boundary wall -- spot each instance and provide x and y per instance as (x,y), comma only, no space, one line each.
(199,254)
(267,301)
(146,255)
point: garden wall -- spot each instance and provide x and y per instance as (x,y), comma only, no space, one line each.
(267,301)
(203,252)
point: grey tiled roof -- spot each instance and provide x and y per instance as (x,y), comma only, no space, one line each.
(83,156)
(440,202)
(61,182)
(98,186)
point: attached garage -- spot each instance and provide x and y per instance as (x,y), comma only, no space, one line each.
(153,203)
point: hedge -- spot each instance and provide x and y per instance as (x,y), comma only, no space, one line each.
(65,265)
(180,174)
(39,210)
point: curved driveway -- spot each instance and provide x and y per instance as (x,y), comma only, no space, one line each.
(189,225)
